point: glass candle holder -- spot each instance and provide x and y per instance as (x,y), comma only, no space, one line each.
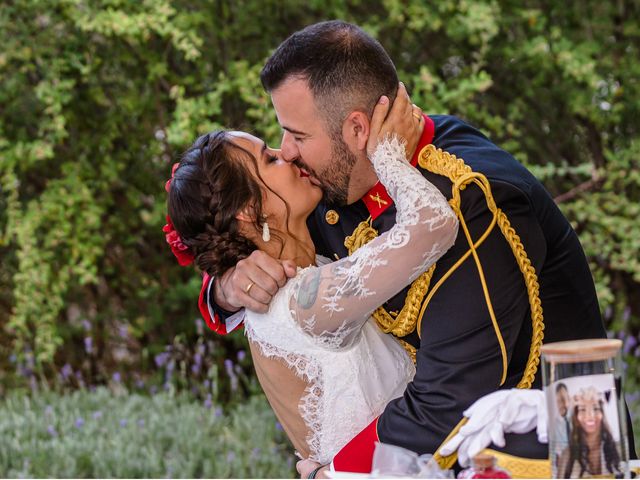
(587,427)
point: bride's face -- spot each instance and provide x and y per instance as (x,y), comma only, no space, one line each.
(285,181)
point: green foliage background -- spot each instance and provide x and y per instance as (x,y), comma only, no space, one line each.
(101,435)
(98,98)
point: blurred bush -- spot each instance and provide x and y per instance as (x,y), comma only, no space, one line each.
(98,99)
(101,435)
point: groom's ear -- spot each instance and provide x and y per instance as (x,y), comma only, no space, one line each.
(355,130)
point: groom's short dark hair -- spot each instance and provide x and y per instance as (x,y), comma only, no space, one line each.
(345,68)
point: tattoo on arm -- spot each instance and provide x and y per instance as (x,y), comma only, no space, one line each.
(308,291)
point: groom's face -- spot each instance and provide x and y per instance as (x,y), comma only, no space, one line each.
(307,141)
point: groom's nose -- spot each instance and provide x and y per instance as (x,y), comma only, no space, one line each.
(288,147)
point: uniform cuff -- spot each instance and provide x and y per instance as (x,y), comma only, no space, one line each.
(357,455)
(217,319)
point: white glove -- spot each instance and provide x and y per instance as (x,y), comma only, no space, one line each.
(490,417)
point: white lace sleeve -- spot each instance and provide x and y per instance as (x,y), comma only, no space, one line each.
(332,302)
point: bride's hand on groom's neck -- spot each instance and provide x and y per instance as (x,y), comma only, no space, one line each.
(253,282)
(402,118)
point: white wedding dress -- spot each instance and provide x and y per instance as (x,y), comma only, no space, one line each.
(326,368)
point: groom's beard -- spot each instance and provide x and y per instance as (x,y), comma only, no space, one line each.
(335,178)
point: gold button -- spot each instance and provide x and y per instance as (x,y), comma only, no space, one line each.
(332,217)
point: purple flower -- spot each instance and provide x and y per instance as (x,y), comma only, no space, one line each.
(79,423)
(51,430)
(86,324)
(218,412)
(117,377)
(195,369)
(141,422)
(197,359)
(228,365)
(199,326)
(153,389)
(608,312)
(200,349)
(66,371)
(207,402)
(626,314)
(139,383)
(88,345)
(241,355)
(48,410)
(171,367)
(123,331)
(629,344)
(231,456)
(279,427)
(206,384)
(255,453)
(161,359)
(123,422)
(96,415)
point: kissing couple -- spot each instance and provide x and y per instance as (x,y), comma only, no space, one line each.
(389,267)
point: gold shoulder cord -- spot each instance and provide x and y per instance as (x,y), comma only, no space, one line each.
(405,321)
(461,175)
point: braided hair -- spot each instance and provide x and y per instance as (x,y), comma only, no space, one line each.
(211,185)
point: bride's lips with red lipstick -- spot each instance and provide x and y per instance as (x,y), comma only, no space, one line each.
(304,173)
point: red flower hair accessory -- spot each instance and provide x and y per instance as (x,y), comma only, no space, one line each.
(182,252)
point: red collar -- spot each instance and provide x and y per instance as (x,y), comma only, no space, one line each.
(377,200)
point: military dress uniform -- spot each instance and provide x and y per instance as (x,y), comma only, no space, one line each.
(475,334)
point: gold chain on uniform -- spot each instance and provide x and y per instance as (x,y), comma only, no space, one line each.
(461,175)
(443,163)
(406,320)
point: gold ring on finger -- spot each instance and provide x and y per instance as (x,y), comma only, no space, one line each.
(417,115)
(248,287)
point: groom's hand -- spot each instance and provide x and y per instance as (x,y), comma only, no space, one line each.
(253,282)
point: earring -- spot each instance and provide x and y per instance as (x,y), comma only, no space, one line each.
(266,235)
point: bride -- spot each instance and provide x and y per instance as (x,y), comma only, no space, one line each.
(325,367)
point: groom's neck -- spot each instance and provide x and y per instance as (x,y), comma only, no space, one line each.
(363,178)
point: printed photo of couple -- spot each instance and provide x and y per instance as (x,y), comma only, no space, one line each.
(585,427)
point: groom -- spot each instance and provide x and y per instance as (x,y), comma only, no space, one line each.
(324,81)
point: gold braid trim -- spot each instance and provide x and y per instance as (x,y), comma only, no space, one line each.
(520,467)
(411,350)
(405,322)
(443,163)
(460,174)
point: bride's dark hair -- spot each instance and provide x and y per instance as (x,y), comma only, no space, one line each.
(212,184)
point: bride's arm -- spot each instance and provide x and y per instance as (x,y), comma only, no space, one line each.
(332,302)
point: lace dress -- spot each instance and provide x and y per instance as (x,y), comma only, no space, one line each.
(326,369)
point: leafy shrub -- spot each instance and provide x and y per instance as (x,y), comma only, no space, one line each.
(102,435)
